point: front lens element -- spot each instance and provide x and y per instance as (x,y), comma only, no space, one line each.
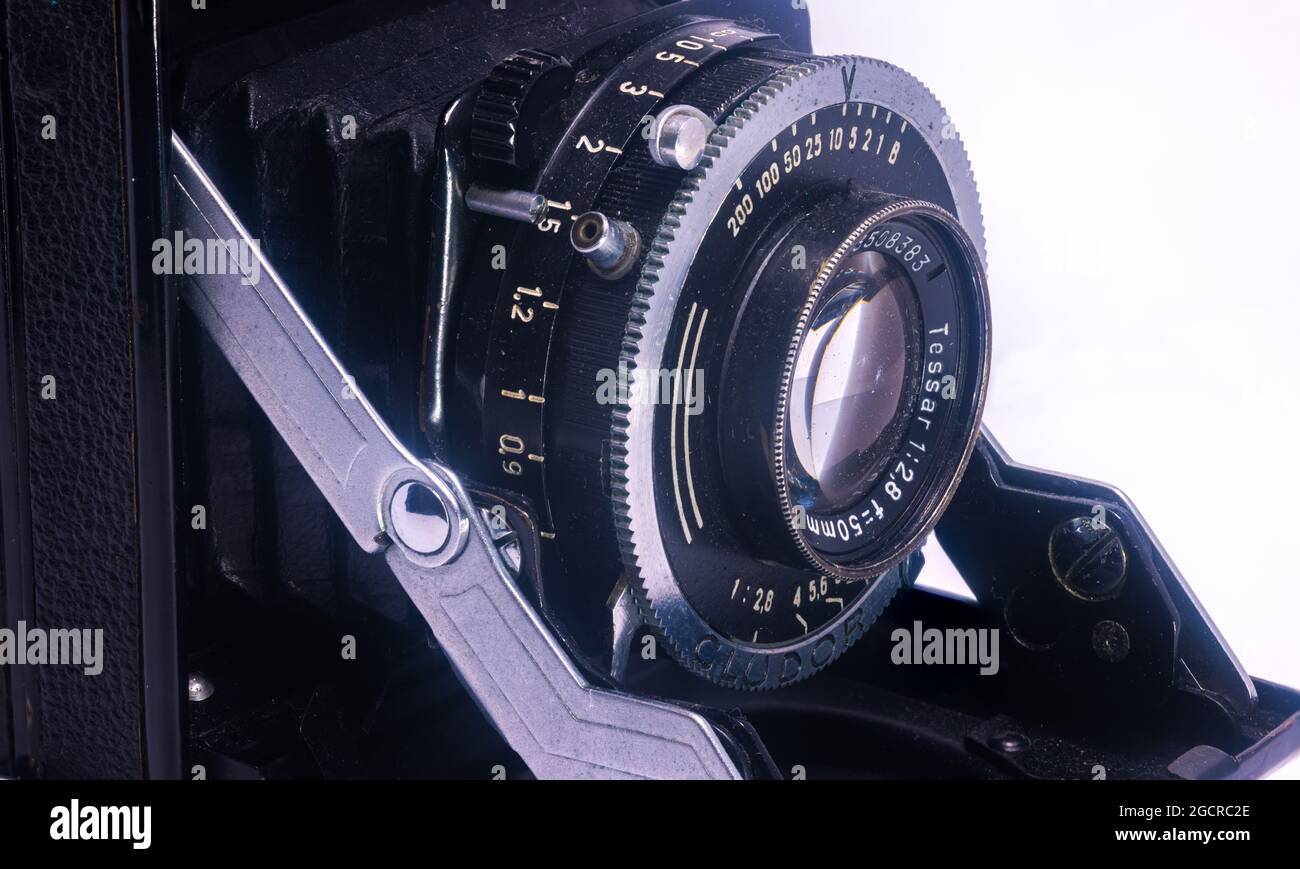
(879,399)
(850,380)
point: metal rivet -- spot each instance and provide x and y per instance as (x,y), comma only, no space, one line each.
(1110,641)
(1009,742)
(200,688)
(419,518)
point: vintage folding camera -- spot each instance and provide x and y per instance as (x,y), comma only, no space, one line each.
(508,389)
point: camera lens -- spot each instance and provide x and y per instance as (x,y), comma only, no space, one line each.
(853,387)
(769,410)
(851,381)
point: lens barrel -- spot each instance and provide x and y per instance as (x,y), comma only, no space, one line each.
(854,383)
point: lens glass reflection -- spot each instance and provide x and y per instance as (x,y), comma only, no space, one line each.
(851,377)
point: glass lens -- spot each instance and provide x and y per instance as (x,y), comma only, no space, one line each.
(850,379)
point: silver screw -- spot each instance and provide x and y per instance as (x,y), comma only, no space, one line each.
(200,688)
(611,247)
(678,136)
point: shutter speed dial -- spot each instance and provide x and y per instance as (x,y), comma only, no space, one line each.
(826,318)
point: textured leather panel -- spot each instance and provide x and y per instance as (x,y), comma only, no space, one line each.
(77,327)
(10,523)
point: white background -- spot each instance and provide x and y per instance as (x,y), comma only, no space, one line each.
(1140,176)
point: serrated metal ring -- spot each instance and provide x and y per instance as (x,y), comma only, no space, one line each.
(787,96)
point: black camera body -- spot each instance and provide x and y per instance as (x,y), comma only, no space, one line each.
(394,269)
(692,326)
